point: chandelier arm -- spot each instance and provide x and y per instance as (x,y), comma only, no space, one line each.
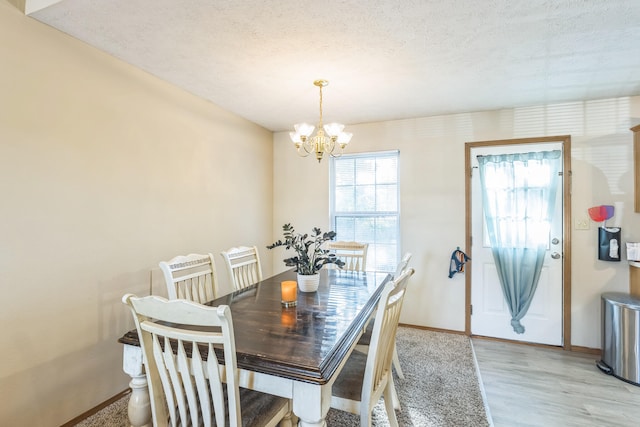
(302,151)
(309,145)
(329,145)
(339,148)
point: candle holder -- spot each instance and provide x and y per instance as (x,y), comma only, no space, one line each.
(289,293)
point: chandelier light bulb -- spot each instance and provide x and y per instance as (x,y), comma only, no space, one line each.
(333,129)
(304,129)
(344,138)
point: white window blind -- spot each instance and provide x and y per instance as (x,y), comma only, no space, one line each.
(365,205)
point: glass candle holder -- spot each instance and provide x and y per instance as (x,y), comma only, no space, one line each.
(289,293)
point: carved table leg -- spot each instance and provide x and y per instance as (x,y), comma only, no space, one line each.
(311,404)
(139,404)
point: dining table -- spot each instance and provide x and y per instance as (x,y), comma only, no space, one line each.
(293,352)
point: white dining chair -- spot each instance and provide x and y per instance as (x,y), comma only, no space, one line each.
(191,277)
(243,266)
(191,388)
(354,254)
(365,378)
(403,264)
(365,339)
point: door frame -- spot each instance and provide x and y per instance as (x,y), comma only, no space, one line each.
(565,140)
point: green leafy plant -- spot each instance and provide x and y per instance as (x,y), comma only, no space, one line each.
(311,257)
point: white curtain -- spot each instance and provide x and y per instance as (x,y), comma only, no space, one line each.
(518,198)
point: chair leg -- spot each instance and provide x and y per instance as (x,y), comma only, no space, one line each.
(365,417)
(394,394)
(389,392)
(396,363)
(289,420)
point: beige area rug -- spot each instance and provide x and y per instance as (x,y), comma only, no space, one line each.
(441,388)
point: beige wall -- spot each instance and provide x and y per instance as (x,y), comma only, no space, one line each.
(433,206)
(105,171)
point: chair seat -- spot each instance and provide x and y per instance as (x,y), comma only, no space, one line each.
(258,409)
(348,385)
(365,338)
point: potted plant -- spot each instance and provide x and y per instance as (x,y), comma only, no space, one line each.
(310,255)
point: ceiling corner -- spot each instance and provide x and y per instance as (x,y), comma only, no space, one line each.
(30,6)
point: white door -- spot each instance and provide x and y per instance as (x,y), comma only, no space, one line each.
(490,313)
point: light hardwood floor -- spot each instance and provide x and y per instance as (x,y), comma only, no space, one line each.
(534,386)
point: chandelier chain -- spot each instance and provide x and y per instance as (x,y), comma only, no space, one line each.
(320,123)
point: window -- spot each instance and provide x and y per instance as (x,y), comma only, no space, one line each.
(365,205)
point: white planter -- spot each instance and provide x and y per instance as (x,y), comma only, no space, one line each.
(308,283)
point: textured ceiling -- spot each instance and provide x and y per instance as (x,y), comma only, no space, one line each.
(384,59)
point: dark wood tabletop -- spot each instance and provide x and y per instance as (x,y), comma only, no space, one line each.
(306,342)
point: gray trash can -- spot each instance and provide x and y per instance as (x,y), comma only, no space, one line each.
(621,336)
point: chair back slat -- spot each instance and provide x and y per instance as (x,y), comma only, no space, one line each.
(186,389)
(243,265)
(353,254)
(192,277)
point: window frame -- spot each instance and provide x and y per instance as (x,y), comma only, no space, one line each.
(361,214)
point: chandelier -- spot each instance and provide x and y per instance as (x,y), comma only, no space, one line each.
(329,139)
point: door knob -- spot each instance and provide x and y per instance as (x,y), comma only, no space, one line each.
(555,255)
(555,241)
